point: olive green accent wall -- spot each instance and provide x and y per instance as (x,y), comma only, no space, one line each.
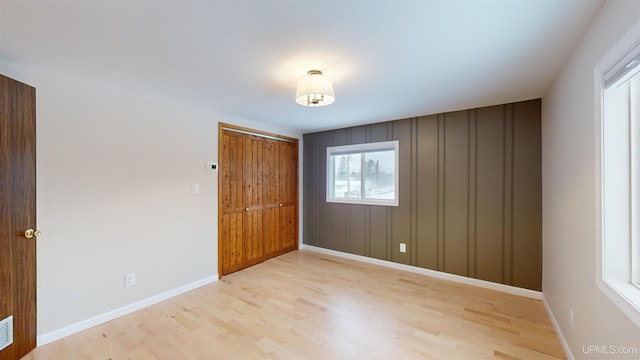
(470,195)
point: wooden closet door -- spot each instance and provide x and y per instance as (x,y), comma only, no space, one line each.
(258,190)
(231,197)
(273,204)
(254,199)
(288,192)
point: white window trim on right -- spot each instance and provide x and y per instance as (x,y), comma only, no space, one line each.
(634,164)
(618,175)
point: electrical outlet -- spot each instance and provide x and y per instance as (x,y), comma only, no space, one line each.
(571,317)
(403,247)
(129,279)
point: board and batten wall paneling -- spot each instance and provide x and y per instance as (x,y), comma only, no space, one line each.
(309,181)
(489,202)
(470,195)
(401,215)
(527,195)
(426,248)
(455,219)
(379,216)
(358,228)
(323,209)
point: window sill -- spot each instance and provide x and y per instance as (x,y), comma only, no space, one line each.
(625,295)
(364,202)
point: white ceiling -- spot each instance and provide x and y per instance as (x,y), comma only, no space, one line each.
(387,59)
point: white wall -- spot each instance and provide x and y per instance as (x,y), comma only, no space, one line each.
(569,185)
(114,175)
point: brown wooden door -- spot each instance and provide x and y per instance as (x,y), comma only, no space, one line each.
(288,195)
(272,180)
(281,194)
(17,214)
(231,197)
(254,199)
(258,198)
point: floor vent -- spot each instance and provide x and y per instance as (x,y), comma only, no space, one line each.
(6,332)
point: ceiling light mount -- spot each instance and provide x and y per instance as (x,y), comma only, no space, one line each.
(315,89)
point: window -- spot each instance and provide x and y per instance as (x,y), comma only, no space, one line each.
(363,174)
(618,79)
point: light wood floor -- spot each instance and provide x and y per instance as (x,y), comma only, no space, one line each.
(306,305)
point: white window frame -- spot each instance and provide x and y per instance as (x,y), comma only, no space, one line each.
(634,164)
(618,178)
(359,149)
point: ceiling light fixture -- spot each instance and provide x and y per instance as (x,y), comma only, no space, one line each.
(315,90)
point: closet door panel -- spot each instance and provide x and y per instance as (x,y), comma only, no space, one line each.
(231,219)
(253,172)
(273,232)
(232,251)
(288,228)
(288,195)
(254,199)
(288,170)
(253,244)
(272,174)
(272,197)
(232,171)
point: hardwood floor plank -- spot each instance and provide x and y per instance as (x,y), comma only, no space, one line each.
(306,305)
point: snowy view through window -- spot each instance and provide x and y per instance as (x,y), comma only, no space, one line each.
(363,173)
(378,180)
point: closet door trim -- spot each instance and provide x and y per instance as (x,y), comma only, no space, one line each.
(264,134)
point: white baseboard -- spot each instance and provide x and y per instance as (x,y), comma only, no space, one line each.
(108,316)
(433,273)
(556,327)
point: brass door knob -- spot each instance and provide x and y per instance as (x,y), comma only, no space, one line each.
(30,233)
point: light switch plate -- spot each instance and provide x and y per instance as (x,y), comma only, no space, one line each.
(129,279)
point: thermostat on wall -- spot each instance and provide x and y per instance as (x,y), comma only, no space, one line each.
(211,166)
